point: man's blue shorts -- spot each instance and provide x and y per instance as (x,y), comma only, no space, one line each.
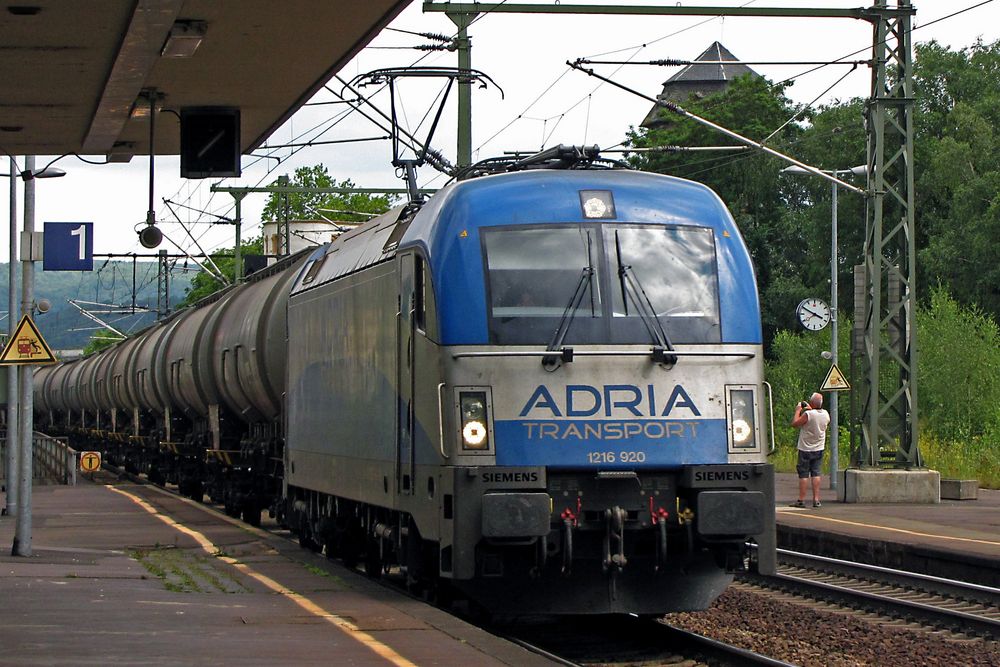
(809,464)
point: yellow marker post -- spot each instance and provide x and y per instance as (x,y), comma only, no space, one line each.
(26,346)
(90,462)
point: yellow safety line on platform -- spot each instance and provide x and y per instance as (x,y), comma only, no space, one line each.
(894,530)
(305,603)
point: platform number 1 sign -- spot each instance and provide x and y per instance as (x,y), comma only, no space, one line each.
(68,246)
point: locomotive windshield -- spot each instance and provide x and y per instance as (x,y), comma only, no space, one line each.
(533,274)
(536,273)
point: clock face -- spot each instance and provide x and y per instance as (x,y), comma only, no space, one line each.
(813,314)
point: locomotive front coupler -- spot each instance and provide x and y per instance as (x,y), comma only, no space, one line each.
(614,540)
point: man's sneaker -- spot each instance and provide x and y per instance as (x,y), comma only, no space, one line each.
(797,503)
(817,503)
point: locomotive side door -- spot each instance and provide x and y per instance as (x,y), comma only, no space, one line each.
(405,330)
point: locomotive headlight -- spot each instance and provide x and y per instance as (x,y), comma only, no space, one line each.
(475,433)
(742,423)
(741,431)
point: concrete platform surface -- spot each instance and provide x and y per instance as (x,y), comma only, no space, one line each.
(961,531)
(128,575)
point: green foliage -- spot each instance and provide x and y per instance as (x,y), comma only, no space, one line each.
(310,206)
(204,283)
(354,207)
(959,370)
(958,378)
(746,181)
(975,458)
(958,170)
(101,340)
(795,371)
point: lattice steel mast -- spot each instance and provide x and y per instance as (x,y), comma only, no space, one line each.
(889,357)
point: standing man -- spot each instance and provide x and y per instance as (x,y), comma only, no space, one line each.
(812,421)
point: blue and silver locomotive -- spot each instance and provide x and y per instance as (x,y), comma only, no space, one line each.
(541,390)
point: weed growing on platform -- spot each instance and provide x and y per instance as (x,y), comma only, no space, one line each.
(182,571)
(317,571)
(975,458)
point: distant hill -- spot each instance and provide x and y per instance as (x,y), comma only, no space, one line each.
(64,327)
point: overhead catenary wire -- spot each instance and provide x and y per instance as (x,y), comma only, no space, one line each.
(355,107)
(636,49)
(217,272)
(729,133)
(479,148)
(669,62)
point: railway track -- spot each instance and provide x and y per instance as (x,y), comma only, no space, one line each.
(942,604)
(627,640)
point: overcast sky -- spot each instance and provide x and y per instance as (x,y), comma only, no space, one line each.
(544,103)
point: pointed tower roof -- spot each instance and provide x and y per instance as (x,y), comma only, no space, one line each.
(699,79)
(701,73)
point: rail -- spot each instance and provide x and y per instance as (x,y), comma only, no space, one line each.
(53,460)
(593,353)
(964,607)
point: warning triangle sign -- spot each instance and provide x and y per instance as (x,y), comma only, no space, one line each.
(835,381)
(26,346)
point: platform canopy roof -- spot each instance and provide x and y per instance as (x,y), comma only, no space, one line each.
(72,70)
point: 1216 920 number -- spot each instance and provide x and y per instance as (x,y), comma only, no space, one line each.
(616,457)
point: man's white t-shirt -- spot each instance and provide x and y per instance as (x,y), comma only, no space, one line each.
(812,435)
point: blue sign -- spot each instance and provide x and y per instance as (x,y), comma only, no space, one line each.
(68,246)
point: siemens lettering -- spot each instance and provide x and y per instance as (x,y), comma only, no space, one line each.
(721,475)
(509,477)
(585,401)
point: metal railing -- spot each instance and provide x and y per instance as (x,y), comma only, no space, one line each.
(53,460)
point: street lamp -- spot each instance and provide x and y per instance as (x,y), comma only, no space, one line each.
(834,340)
(19,457)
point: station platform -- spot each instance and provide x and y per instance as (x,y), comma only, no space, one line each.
(127,574)
(953,539)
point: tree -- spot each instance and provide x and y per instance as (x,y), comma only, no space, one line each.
(834,140)
(101,340)
(958,171)
(311,206)
(355,208)
(204,283)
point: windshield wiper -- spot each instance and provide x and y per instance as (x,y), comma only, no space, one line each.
(552,362)
(632,289)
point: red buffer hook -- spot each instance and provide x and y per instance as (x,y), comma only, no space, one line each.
(658,514)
